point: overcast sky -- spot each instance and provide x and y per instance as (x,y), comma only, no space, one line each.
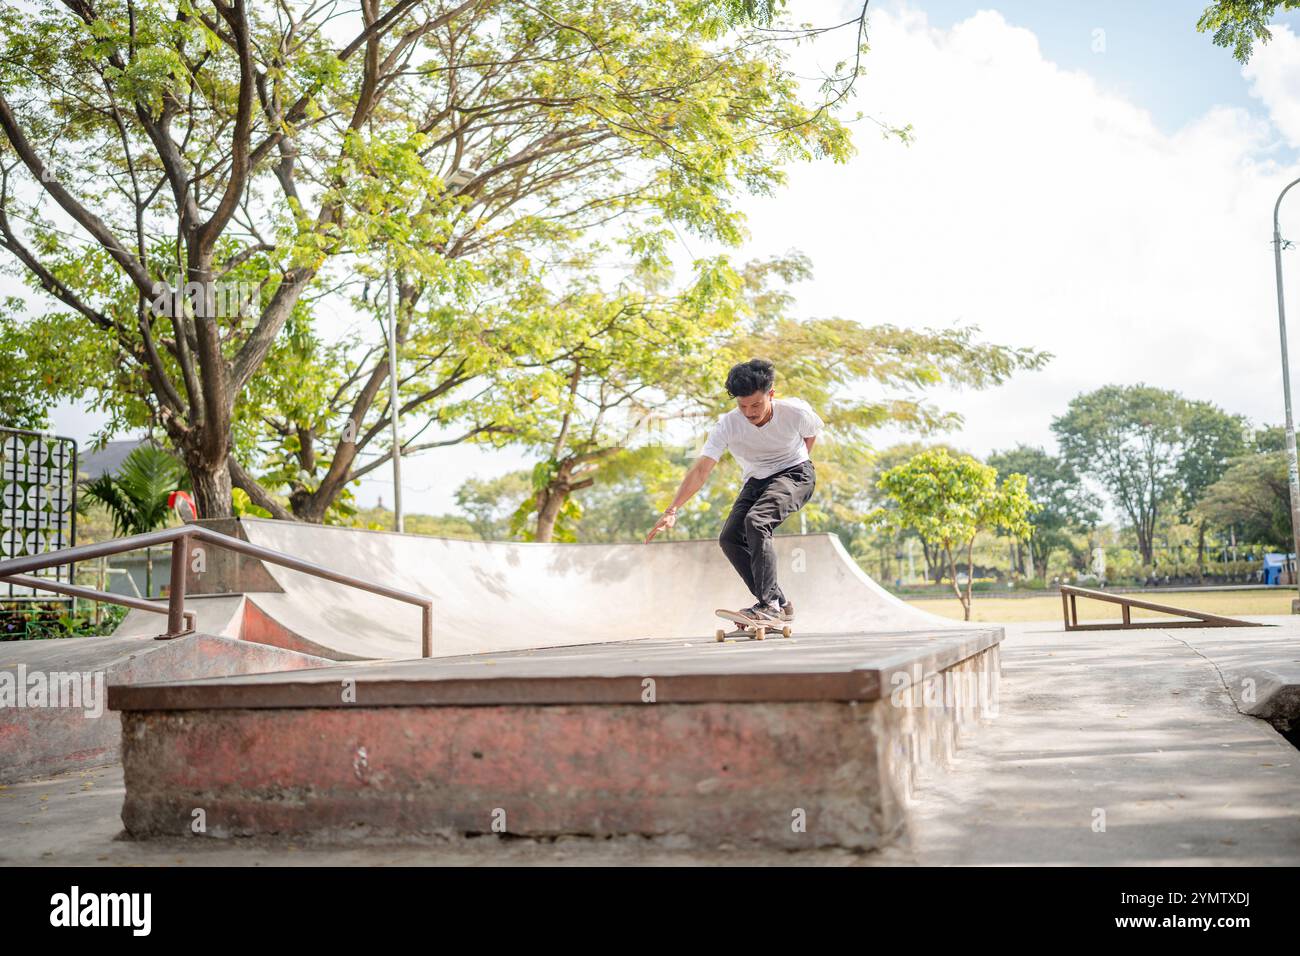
(1093,179)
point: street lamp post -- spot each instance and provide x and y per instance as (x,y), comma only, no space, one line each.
(457,180)
(1293,472)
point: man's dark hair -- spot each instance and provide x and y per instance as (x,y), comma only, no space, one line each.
(756,375)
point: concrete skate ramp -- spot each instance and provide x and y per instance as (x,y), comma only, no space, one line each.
(494,596)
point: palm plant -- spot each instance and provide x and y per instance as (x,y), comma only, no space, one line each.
(136,497)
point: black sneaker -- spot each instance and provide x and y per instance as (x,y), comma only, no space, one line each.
(787,611)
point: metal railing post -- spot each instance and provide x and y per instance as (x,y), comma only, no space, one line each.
(176,593)
(426,630)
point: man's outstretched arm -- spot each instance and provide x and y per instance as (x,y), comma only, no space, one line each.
(694,480)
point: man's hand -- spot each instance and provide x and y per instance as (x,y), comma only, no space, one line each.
(666,520)
(692,483)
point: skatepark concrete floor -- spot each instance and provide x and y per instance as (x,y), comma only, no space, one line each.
(1110,748)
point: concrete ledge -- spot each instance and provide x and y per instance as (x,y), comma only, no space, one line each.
(816,764)
(807,667)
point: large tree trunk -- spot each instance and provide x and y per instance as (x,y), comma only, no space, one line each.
(970,576)
(963,598)
(1146,547)
(933,569)
(1200,553)
(212,488)
(549,504)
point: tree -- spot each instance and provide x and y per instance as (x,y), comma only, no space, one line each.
(614,366)
(1129,438)
(223,168)
(616,509)
(490,502)
(1240,24)
(640,359)
(949,501)
(1269,438)
(22,402)
(1254,496)
(1212,439)
(437,526)
(1063,504)
(881,462)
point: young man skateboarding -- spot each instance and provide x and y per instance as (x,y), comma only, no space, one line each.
(771,439)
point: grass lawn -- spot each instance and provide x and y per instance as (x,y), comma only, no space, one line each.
(1048,607)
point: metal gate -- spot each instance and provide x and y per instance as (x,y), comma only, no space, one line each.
(38,502)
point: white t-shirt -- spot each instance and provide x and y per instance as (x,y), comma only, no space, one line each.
(765,450)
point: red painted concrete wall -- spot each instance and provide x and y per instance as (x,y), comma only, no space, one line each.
(716,773)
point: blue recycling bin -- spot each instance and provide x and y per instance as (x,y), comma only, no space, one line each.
(1274,565)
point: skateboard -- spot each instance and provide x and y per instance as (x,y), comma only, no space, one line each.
(748,628)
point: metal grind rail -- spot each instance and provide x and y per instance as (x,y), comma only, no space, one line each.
(1069,604)
(179,621)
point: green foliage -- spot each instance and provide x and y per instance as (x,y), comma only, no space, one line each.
(1240,24)
(437,526)
(1253,496)
(490,503)
(1152,449)
(1269,438)
(242,505)
(949,500)
(1064,505)
(759,12)
(1211,439)
(47,356)
(136,496)
(31,620)
(485,146)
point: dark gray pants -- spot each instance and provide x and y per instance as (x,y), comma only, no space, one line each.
(747,535)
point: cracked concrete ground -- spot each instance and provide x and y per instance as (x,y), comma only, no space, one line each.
(1110,748)
(1121,748)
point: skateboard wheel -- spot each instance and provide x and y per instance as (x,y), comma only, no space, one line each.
(720,636)
(760,633)
(785,632)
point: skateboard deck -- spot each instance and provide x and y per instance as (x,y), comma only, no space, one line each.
(749,629)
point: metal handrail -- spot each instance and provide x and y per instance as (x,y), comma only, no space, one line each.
(179,538)
(92,594)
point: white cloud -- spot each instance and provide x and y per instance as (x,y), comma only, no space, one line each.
(1274,75)
(1053,214)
